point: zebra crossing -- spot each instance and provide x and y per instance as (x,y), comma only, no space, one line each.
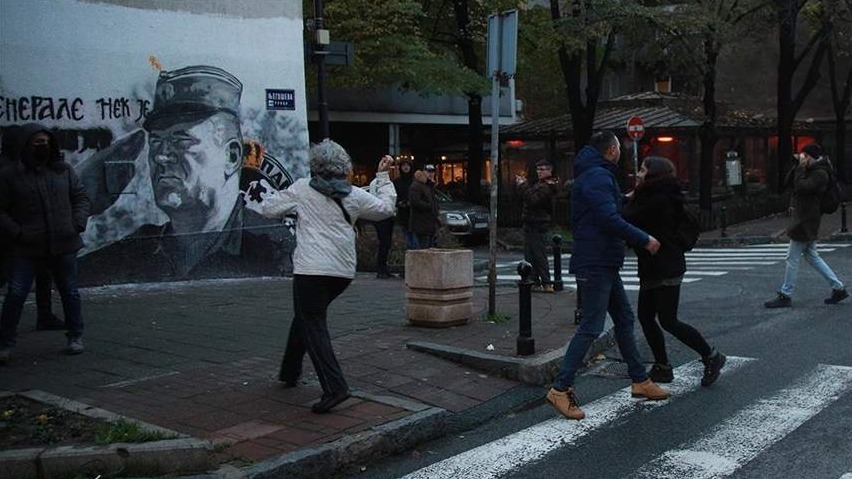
(700,263)
(718,451)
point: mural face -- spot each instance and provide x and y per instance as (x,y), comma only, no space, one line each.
(174,160)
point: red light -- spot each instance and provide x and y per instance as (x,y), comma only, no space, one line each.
(515,143)
(665,139)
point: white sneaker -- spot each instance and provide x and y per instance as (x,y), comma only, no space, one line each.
(75,346)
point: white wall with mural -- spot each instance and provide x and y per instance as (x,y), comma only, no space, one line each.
(176,119)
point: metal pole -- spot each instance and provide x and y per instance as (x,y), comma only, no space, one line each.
(319,52)
(635,162)
(492,218)
(843,228)
(724,220)
(525,343)
(557,263)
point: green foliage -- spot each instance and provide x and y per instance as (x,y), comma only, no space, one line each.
(497,317)
(127,431)
(392,49)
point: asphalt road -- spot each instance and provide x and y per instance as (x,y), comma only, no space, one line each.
(783,407)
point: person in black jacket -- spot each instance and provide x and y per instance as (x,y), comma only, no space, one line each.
(403,207)
(656,206)
(424,209)
(43,210)
(45,319)
(538,204)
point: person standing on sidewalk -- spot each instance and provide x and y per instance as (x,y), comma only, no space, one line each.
(403,209)
(656,206)
(424,208)
(538,204)
(43,210)
(810,178)
(324,259)
(598,253)
(45,319)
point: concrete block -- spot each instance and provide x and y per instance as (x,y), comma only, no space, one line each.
(19,463)
(440,287)
(439,268)
(438,315)
(167,457)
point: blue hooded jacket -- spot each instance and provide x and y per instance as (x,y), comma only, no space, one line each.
(599,231)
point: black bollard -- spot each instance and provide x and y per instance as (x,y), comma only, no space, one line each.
(557,263)
(843,228)
(525,344)
(724,220)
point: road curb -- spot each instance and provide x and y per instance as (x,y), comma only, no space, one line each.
(153,458)
(329,459)
(538,370)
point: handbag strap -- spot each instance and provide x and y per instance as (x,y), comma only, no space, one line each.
(343,210)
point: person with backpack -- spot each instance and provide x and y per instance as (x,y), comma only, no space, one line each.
(810,179)
(600,233)
(657,207)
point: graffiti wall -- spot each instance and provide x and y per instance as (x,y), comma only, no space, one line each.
(176,117)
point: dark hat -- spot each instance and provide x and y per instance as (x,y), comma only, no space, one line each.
(192,93)
(544,163)
(813,150)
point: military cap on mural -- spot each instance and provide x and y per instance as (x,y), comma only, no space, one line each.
(194,92)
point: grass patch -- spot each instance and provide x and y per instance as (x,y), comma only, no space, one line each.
(127,431)
(497,317)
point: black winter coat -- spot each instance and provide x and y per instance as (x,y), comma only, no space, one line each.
(657,210)
(538,201)
(42,210)
(424,208)
(809,184)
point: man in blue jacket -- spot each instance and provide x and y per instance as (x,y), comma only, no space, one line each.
(599,234)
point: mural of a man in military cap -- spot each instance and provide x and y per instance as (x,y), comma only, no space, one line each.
(202,176)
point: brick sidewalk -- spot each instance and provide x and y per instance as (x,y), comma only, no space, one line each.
(202,359)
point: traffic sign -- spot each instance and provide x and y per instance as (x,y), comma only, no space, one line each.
(635,128)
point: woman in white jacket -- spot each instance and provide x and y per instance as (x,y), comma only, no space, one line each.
(327,207)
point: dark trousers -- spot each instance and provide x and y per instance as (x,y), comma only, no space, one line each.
(43,292)
(309,332)
(535,251)
(662,303)
(22,270)
(384,233)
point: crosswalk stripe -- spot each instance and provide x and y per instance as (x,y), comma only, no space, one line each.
(571,279)
(508,453)
(742,437)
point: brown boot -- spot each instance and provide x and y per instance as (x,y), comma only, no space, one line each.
(566,403)
(648,390)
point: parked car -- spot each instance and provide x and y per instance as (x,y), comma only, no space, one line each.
(462,218)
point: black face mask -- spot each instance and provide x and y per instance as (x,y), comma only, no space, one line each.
(42,154)
(37,155)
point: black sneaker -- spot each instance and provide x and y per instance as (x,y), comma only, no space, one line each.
(782,301)
(49,323)
(837,295)
(713,365)
(661,373)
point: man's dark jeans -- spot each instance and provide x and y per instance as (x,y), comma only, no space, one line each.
(535,251)
(22,270)
(603,292)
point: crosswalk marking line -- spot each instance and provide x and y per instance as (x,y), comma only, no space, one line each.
(570,279)
(533,443)
(741,438)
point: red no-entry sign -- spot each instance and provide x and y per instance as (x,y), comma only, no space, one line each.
(635,128)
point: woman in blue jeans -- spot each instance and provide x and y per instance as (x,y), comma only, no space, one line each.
(656,206)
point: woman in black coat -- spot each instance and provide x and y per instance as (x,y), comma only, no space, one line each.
(656,206)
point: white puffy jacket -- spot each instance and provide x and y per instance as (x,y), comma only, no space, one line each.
(325,242)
